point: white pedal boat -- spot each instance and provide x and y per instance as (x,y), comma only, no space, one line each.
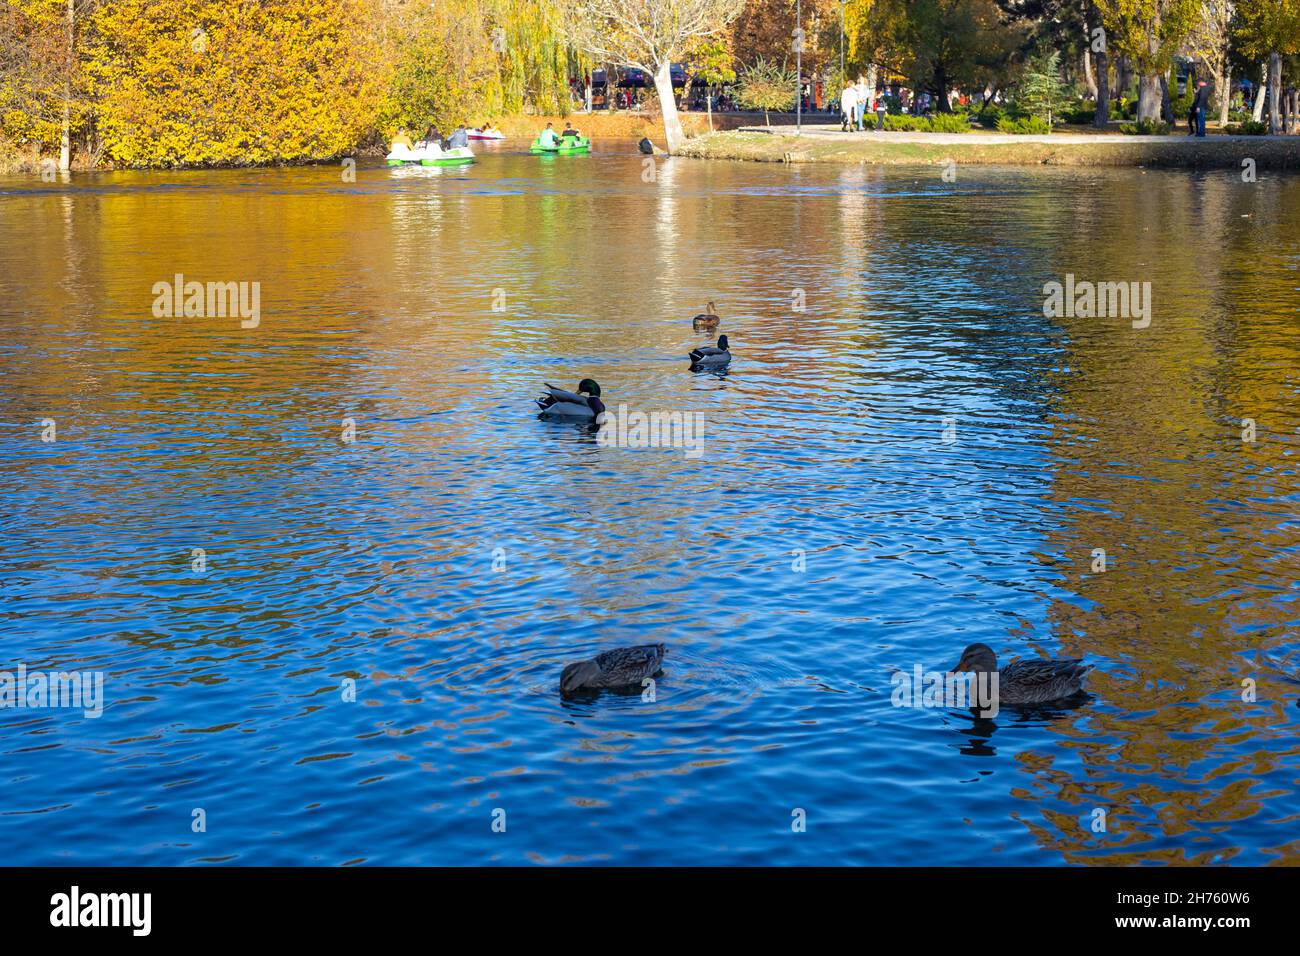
(431,155)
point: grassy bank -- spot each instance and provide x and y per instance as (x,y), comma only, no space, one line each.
(1216,152)
(619,125)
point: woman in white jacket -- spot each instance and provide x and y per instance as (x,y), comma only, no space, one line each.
(849,106)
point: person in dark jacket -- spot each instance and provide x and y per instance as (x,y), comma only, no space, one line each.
(1200,104)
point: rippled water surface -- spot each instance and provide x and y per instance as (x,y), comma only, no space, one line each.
(459,551)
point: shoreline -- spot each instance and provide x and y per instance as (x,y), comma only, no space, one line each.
(829,145)
(631,125)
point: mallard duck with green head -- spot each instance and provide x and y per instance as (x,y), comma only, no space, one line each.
(584,405)
(1025,682)
(709,357)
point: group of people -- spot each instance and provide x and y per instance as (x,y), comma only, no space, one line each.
(458,138)
(857,101)
(550,139)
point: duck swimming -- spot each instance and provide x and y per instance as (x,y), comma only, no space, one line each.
(1026,682)
(584,406)
(706,356)
(621,667)
(708,319)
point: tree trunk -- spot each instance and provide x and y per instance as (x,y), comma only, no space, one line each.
(1149,97)
(708,104)
(1088,79)
(1102,117)
(1166,104)
(1123,77)
(65,138)
(668,105)
(1258,112)
(1274,82)
(941,96)
(1224,84)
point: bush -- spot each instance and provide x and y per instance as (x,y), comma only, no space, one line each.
(1024,125)
(1145,128)
(1083,114)
(1246,128)
(901,122)
(949,123)
(989,117)
(937,123)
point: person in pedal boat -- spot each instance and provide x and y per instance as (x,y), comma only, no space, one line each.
(548,139)
(458,138)
(401,139)
(570,131)
(431,137)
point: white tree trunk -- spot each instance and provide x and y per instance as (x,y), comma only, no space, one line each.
(1258,111)
(65,139)
(1225,95)
(1149,97)
(668,105)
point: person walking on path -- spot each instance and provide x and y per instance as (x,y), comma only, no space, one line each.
(848,106)
(880,110)
(1199,105)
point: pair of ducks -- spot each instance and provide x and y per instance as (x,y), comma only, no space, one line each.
(585,404)
(1021,683)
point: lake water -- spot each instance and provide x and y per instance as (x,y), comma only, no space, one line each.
(906,456)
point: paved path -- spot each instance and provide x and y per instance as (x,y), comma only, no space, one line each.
(1055,139)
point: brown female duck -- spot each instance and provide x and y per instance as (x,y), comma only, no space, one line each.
(1026,682)
(708,319)
(620,667)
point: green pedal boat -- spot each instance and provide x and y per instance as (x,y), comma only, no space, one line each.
(568,146)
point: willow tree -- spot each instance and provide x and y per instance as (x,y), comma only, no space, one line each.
(1149,33)
(648,35)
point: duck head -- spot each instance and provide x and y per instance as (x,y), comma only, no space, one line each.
(588,386)
(709,309)
(722,343)
(575,676)
(978,658)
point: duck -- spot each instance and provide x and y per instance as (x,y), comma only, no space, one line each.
(706,356)
(620,667)
(708,319)
(1026,682)
(583,406)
